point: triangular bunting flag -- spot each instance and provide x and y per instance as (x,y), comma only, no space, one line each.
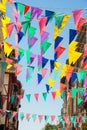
(28,116)
(26,8)
(77,15)
(74,77)
(57,41)
(51,82)
(57,92)
(21,54)
(45,96)
(56,65)
(21,8)
(32,58)
(18,69)
(7,48)
(49,15)
(43,72)
(59,50)
(72,34)
(51,65)
(10,27)
(25,26)
(29,72)
(74,92)
(58,19)
(31,31)
(20,36)
(28,97)
(34,116)
(44,36)
(42,24)
(14,114)
(53,95)
(36,96)
(40,117)
(44,61)
(53,118)
(32,41)
(79,100)
(47,88)
(39,78)
(62,87)
(68,75)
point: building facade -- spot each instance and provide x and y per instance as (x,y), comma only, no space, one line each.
(70,105)
(10,86)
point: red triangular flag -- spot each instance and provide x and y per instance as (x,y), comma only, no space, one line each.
(26,8)
(36,96)
(53,95)
(59,50)
(42,24)
(53,118)
(14,114)
(40,117)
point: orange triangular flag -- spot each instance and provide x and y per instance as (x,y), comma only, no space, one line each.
(62,87)
(9,28)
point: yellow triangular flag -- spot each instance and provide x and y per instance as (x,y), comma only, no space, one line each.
(9,66)
(3,5)
(56,32)
(56,65)
(57,92)
(65,20)
(7,49)
(73,45)
(51,82)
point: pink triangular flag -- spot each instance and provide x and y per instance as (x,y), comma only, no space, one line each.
(9,28)
(14,114)
(43,72)
(17,67)
(27,115)
(40,117)
(77,15)
(20,97)
(18,26)
(53,118)
(53,95)
(36,96)
(42,24)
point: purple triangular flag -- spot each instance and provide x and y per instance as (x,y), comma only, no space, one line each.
(39,60)
(44,36)
(39,12)
(32,57)
(32,41)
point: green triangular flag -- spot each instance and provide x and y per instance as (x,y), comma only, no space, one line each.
(21,52)
(79,101)
(28,55)
(63,94)
(3,65)
(28,97)
(21,115)
(31,31)
(81,91)
(83,119)
(45,45)
(21,8)
(55,74)
(79,76)
(46,117)
(39,67)
(29,73)
(25,26)
(73,118)
(34,116)
(28,16)
(58,19)
(74,123)
(45,96)
(74,92)
(12,99)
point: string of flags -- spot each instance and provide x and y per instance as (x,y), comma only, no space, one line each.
(48,118)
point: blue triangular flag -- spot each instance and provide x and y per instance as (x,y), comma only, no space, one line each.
(74,77)
(72,34)
(55,56)
(44,61)
(16,5)
(58,40)
(39,78)
(20,36)
(47,88)
(49,15)
(51,65)
(85,59)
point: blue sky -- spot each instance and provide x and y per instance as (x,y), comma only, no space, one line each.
(50,107)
